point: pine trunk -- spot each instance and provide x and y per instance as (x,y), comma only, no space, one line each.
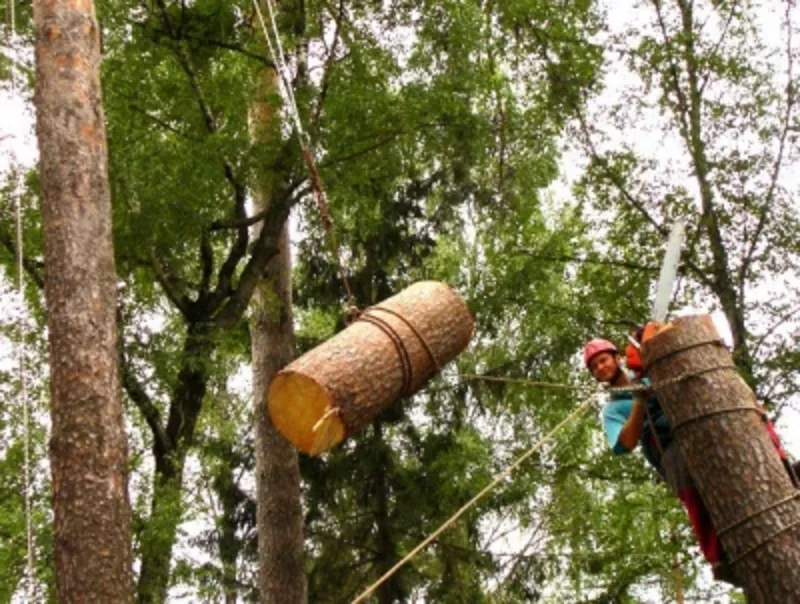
(391,351)
(721,434)
(282,578)
(88,451)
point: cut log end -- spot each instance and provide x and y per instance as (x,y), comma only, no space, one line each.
(303,412)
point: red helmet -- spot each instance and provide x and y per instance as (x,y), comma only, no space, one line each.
(595,347)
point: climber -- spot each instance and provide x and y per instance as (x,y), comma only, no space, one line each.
(633,363)
(635,417)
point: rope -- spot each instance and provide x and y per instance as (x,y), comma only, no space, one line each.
(318,191)
(763,510)
(582,407)
(405,360)
(23,390)
(524,382)
(450,521)
(408,323)
(769,538)
(691,420)
(632,388)
(406,365)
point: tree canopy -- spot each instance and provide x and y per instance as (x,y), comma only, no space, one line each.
(531,154)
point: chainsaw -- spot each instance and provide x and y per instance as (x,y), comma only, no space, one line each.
(639,333)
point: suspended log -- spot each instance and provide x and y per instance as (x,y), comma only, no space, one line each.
(720,431)
(391,351)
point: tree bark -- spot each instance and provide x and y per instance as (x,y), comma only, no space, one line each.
(721,434)
(362,370)
(282,578)
(388,592)
(88,450)
(231,498)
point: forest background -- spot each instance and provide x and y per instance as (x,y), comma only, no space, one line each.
(533,154)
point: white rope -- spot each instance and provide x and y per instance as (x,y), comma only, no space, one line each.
(497,480)
(23,390)
(20,349)
(276,50)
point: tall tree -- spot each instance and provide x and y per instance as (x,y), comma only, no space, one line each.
(88,450)
(281,569)
(697,123)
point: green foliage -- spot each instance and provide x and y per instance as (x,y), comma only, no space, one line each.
(439,127)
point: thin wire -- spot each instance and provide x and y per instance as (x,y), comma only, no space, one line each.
(281,57)
(280,66)
(23,390)
(582,407)
(524,382)
(24,393)
(276,50)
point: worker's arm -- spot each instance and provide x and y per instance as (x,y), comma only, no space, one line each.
(632,430)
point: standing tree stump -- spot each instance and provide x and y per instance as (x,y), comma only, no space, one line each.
(390,351)
(720,431)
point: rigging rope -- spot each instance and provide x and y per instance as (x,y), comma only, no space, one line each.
(497,479)
(19,346)
(318,191)
(633,388)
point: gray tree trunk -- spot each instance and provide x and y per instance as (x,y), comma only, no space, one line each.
(88,450)
(282,577)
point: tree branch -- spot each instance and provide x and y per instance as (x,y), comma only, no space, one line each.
(264,248)
(771,329)
(719,42)
(683,105)
(207,261)
(180,301)
(699,273)
(32,268)
(329,61)
(239,249)
(141,399)
(219,225)
(791,99)
(579,260)
(160,122)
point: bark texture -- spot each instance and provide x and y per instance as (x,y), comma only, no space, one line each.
(88,451)
(366,367)
(279,516)
(721,434)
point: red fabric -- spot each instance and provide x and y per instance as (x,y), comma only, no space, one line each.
(633,359)
(773,435)
(701,520)
(701,524)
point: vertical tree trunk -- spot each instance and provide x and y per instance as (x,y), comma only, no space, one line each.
(88,451)
(170,456)
(229,544)
(282,577)
(721,435)
(388,592)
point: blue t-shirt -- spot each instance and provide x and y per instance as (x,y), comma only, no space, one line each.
(617,411)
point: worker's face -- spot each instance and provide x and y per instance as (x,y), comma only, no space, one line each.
(604,366)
